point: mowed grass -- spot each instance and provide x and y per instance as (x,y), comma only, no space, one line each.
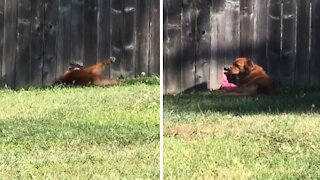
(209,136)
(80,133)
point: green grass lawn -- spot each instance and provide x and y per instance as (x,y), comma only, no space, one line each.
(208,136)
(80,133)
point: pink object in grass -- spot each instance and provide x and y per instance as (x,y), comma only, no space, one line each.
(226,85)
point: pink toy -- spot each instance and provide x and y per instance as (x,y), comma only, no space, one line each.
(226,85)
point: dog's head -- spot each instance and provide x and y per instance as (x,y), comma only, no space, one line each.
(109,61)
(241,65)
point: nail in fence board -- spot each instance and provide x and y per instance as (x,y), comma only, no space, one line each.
(63,36)
(188,44)
(315,44)
(173,46)
(303,40)
(10,43)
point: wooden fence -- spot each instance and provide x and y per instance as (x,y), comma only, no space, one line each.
(38,38)
(202,36)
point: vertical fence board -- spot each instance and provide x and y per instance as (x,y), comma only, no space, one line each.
(10,43)
(246,28)
(50,53)
(274,38)
(90,32)
(173,46)
(154,67)
(287,63)
(77,31)
(232,30)
(23,44)
(203,44)
(128,63)
(315,44)
(63,36)
(164,41)
(104,32)
(260,33)
(117,42)
(143,34)
(1,36)
(37,22)
(218,53)
(188,44)
(303,39)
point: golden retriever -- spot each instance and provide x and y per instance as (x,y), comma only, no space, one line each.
(251,78)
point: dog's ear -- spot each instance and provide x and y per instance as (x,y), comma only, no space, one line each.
(249,64)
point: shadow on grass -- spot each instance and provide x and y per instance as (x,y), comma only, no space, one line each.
(285,101)
(56,129)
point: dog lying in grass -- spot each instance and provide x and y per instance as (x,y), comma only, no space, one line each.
(251,78)
(81,76)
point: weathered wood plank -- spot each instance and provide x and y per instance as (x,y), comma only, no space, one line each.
(104,32)
(303,40)
(173,46)
(130,43)
(77,31)
(289,27)
(246,28)
(90,32)
(274,38)
(315,44)
(50,50)
(37,22)
(23,67)
(117,37)
(10,43)
(1,36)
(63,36)
(187,43)
(164,41)
(260,33)
(143,36)
(203,44)
(232,30)
(154,67)
(217,49)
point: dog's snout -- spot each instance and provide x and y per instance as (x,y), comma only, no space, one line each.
(226,69)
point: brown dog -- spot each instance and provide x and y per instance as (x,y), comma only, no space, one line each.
(251,78)
(78,75)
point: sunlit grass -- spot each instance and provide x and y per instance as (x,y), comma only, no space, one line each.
(80,133)
(208,136)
